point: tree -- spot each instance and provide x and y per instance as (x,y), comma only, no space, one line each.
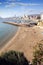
(13,58)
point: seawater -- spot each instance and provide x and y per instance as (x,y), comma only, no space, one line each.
(6,33)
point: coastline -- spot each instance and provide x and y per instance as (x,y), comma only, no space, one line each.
(7,32)
(24,41)
(9,42)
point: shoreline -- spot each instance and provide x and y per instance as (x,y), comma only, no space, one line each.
(7,32)
(24,41)
(9,42)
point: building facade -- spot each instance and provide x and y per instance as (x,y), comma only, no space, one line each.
(41,16)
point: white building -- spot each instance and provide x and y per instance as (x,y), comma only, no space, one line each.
(26,17)
(42,16)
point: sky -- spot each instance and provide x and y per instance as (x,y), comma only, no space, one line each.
(10,8)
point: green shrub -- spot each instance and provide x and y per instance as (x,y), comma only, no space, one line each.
(38,54)
(13,58)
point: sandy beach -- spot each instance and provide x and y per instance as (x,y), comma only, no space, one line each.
(25,40)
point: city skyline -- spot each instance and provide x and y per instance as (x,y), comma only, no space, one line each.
(11,8)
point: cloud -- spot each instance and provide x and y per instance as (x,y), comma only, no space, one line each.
(29,4)
(12,4)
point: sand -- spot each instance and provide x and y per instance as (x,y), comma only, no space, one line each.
(25,40)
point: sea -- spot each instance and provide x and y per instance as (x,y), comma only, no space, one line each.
(6,33)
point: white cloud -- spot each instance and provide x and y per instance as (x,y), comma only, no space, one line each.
(29,4)
(12,4)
